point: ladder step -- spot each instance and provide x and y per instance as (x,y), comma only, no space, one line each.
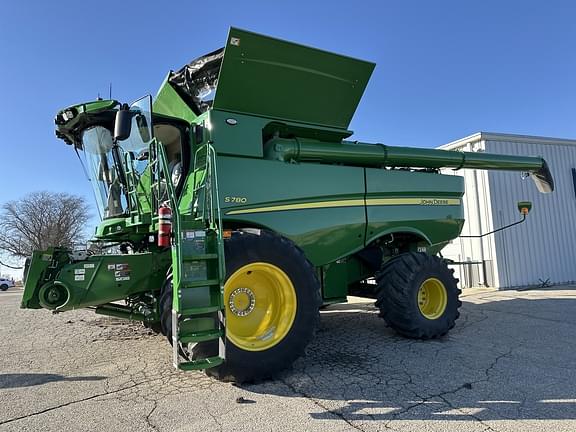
(201,363)
(200,336)
(198,310)
(200,283)
(201,257)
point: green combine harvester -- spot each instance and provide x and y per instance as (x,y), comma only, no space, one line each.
(233,207)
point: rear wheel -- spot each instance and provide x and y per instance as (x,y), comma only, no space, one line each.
(418,295)
(271,296)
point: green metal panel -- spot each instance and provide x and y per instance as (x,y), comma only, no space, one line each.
(274,78)
(243,137)
(425,204)
(335,280)
(325,234)
(169,103)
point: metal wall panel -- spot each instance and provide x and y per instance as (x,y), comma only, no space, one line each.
(543,248)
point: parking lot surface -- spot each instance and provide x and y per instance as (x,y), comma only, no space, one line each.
(508,365)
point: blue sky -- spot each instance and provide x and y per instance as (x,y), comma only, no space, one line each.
(445,69)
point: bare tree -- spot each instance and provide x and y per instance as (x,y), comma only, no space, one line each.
(40,220)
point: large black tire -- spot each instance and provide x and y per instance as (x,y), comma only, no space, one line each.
(165,305)
(156,327)
(412,315)
(260,246)
(3,287)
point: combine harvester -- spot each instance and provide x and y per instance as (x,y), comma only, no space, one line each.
(233,208)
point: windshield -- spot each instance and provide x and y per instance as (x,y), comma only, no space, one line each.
(101,169)
(112,183)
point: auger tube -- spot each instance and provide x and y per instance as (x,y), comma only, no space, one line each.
(380,155)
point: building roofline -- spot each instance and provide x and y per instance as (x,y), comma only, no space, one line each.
(492,136)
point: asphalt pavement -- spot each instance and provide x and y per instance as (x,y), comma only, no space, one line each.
(508,365)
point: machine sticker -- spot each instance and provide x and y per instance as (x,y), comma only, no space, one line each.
(122,278)
(46,257)
(235,199)
(122,267)
(79,271)
(189,235)
(235,41)
(89,266)
(79,277)
(118,274)
(429,202)
(111,267)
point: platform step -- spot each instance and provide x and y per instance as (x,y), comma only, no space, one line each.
(200,283)
(200,257)
(200,336)
(205,363)
(190,312)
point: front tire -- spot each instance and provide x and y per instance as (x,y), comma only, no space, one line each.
(418,295)
(3,287)
(272,300)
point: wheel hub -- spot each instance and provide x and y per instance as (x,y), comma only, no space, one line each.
(432,298)
(260,305)
(242,301)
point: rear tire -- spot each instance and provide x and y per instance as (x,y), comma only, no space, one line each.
(418,295)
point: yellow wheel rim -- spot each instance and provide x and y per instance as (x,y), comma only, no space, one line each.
(260,306)
(432,298)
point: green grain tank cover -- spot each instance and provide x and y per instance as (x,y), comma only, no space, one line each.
(269,77)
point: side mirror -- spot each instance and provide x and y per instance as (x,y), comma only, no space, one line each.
(524,207)
(143,127)
(123,124)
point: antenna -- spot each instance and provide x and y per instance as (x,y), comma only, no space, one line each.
(110,91)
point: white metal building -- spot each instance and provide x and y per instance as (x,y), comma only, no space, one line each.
(542,250)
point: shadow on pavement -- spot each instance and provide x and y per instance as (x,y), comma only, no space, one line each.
(507,358)
(16,380)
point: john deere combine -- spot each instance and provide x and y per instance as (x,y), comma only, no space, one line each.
(233,207)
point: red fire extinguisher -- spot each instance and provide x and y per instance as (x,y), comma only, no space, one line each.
(164,225)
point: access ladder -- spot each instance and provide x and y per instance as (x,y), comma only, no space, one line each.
(197,266)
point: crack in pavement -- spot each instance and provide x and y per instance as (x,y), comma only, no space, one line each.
(77,401)
(423,400)
(153,426)
(442,395)
(325,408)
(214,418)
(475,417)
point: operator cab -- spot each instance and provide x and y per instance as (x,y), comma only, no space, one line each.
(115,142)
